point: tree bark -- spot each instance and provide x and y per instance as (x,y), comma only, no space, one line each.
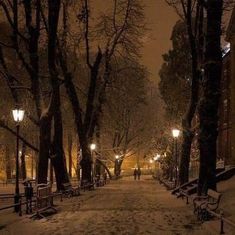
(86,161)
(44,149)
(208,109)
(70,146)
(57,151)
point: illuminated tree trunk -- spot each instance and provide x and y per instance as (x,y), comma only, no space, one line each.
(70,146)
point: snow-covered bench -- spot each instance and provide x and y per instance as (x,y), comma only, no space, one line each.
(69,190)
(99,181)
(44,199)
(206,205)
(186,192)
(86,185)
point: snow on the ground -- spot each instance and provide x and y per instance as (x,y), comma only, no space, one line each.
(227,205)
(122,207)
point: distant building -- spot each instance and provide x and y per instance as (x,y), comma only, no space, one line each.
(224,125)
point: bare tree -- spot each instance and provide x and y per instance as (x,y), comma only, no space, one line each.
(121,32)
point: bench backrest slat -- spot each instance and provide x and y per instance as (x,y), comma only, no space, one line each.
(213,194)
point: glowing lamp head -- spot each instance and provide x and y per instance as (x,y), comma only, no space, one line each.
(18,115)
(92,146)
(157,157)
(151,161)
(117,156)
(175,133)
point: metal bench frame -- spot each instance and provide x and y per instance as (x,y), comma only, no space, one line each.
(70,191)
(44,200)
(204,205)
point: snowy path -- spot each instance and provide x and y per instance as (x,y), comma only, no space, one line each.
(122,207)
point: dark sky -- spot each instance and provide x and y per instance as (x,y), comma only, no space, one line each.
(161,19)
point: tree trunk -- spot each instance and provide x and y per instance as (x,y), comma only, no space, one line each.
(86,162)
(70,146)
(57,151)
(187,131)
(44,148)
(208,109)
(185,156)
(118,165)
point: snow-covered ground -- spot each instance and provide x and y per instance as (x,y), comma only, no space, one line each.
(122,207)
(227,204)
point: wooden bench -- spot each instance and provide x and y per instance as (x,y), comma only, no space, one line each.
(206,205)
(44,200)
(69,190)
(99,181)
(85,185)
(186,192)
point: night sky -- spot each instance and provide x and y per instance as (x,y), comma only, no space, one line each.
(160,19)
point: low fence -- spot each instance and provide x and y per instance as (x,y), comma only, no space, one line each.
(223,220)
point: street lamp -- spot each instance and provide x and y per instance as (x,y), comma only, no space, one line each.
(175,134)
(92,148)
(18,115)
(116,167)
(157,157)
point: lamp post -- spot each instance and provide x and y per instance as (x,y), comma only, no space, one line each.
(116,167)
(175,134)
(18,115)
(92,148)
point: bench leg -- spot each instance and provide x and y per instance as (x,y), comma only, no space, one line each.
(222,227)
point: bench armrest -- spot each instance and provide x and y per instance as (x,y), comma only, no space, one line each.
(198,198)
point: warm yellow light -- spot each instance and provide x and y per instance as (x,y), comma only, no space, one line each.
(92,146)
(156,158)
(151,161)
(18,115)
(175,133)
(117,156)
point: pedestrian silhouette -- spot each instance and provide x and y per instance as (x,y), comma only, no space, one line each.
(138,173)
(135,173)
(105,177)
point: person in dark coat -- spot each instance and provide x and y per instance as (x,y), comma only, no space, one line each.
(135,173)
(138,173)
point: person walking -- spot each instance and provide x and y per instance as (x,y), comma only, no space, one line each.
(105,177)
(135,173)
(139,173)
